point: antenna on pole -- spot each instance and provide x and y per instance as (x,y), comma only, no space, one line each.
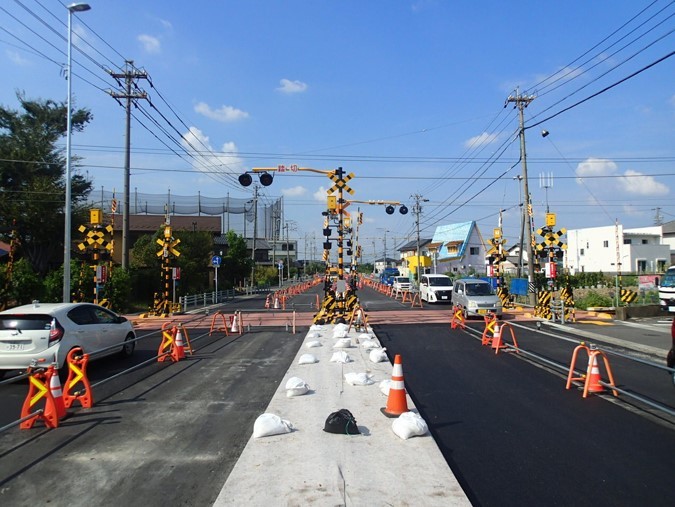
(546,182)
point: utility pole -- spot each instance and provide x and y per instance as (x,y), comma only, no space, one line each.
(130,75)
(417,210)
(255,231)
(521,102)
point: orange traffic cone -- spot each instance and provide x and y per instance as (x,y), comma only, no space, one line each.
(57,393)
(396,402)
(276,303)
(593,380)
(235,324)
(179,346)
(267,301)
(497,337)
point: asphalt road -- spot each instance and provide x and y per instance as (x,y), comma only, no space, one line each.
(513,435)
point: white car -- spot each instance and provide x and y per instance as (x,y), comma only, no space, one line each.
(46,332)
(401,283)
(436,289)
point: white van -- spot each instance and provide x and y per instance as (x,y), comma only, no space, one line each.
(476,297)
(436,289)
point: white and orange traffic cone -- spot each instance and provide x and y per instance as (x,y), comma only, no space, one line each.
(179,346)
(593,380)
(57,393)
(235,324)
(276,302)
(267,301)
(397,402)
(497,337)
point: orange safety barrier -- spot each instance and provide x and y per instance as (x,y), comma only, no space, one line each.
(358,316)
(457,318)
(214,322)
(269,317)
(397,402)
(39,389)
(77,374)
(498,340)
(186,338)
(489,331)
(592,380)
(416,300)
(167,349)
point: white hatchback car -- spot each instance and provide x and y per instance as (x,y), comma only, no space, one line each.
(436,289)
(46,332)
(401,283)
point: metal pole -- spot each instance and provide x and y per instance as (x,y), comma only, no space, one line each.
(255,231)
(67,238)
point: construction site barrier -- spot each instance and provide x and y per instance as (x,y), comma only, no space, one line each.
(457,318)
(282,317)
(498,342)
(489,331)
(39,392)
(77,375)
(358,319)
(591,379)
(219,318)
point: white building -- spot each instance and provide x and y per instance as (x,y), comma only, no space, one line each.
(605,249)
(460,249)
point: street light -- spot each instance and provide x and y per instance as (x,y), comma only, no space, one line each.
(76,7)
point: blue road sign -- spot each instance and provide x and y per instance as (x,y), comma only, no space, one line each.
(215,260)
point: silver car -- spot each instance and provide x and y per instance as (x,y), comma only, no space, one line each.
(46,332)
(476,297)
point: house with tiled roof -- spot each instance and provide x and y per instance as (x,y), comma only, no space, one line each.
(458,249)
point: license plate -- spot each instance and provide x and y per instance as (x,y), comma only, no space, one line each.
(481,312)
(444,297)
(14,346)
(671,308)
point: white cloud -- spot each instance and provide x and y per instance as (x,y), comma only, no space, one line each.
(294,191)
(16,58)
(288,86)
(150,44)
(227,160)
(596,167)
(635,182)
(320,195)
(166,24)
(224,114)
(480,140)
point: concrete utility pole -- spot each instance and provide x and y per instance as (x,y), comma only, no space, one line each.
(130,75)
(521,102)
(417,210)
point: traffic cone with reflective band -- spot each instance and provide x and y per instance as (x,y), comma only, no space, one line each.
(397,402)
(276,302)
(497,336)
(593,380)
(178,352)
(267,301)
(235,324)
(57,393)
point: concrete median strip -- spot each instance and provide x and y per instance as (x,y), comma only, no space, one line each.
(310,466)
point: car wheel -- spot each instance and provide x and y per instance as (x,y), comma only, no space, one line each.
(129,346)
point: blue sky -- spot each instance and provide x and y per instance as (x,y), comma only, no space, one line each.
(409,96)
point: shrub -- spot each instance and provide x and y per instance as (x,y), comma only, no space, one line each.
(593,299)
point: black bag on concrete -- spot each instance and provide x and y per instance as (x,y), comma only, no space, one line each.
(341,422)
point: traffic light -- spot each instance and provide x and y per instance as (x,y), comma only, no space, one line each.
(245,180)
(266,179)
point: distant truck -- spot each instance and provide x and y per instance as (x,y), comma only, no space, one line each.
(667,290)
(387,276)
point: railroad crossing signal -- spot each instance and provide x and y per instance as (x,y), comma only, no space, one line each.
(96,238)
(495,242)
(551,239)
(168,244)
(340,182)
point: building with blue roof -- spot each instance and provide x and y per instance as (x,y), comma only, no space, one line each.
(458,249)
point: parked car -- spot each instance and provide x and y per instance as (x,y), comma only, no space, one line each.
(388,274)
(46,332)
(401,283)
(476,297)
(435,289)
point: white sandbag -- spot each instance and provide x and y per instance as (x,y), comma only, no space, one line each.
(307,359)
(378,355)
(409,424)
(313,336)
(384,386)
(313,343)
(370,344)
(295,386)
(343,343)
(340,330)
(365,336)
(316,327)
(340,357)
(359,379)
(270,424)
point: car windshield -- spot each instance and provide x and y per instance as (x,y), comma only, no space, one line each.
(668,279)
(401,279)
(478,289)
(439,282)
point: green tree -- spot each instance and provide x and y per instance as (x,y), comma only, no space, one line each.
(32,183)
(25,285)
(236,264)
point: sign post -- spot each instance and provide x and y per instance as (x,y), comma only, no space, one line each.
(280,267)
(215,260)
